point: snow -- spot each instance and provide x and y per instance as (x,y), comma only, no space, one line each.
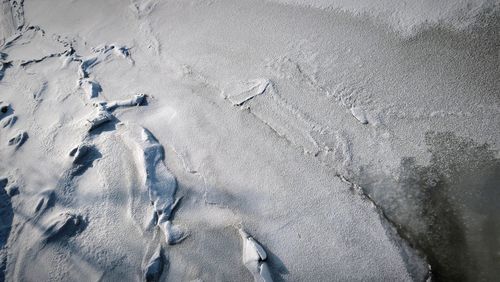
(237,140)
(410,17)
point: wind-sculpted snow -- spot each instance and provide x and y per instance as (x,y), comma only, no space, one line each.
(160,183)
(136,100)
(98,117)
(91,88)
(155,266)
(243,91)
(101,54)
(254,258)
(308,125)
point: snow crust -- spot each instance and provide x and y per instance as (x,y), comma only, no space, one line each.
(238,140)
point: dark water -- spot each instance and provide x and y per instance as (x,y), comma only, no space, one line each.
(448,209)
(6,217)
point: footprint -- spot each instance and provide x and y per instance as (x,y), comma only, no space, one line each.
(19,139)
(122,51)
(5,110)
(9,121)
(64,225)
(359,114)
(46,201)
(80,152)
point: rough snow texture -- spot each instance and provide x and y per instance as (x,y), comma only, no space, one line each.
(408,16)
(356,140)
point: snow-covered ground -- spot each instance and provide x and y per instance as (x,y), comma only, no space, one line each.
(219,140)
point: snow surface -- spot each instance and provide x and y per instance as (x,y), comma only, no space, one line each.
(409,17)
(228,140)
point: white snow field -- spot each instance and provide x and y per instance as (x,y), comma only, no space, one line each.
(249,140)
